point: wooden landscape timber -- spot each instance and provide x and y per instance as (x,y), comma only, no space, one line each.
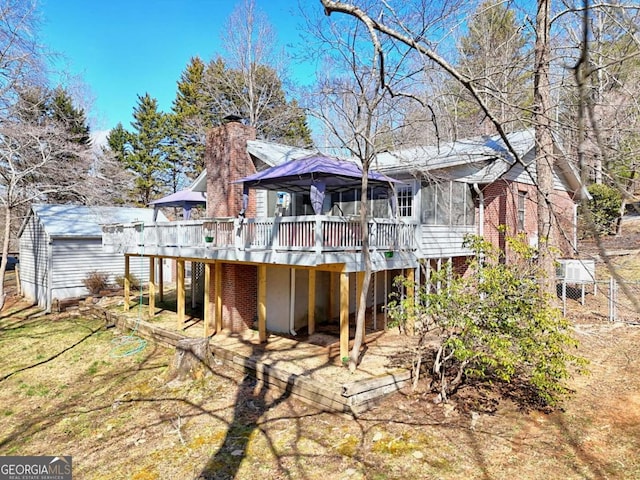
(351,398)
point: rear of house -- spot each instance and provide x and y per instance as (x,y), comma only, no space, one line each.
(61,244)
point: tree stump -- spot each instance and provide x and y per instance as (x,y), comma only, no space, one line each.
(192,359)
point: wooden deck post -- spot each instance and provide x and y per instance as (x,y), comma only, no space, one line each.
(344,315)
(262,302)
(209,300)
(311,312)
(411,296)
(161,280)
(359,284)
(181,297)
(217,288)
(332,290)
(152,286)
(127,283)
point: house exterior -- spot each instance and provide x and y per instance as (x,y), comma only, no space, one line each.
(282,262)
(60,244)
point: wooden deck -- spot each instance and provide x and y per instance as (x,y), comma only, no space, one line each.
(308,367)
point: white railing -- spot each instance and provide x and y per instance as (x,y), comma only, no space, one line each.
(313,233)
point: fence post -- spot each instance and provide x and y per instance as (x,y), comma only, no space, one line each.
(564,297)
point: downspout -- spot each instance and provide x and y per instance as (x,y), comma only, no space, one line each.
(575,227)
(480,209)
(292,303)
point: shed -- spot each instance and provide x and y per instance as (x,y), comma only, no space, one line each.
(60,244)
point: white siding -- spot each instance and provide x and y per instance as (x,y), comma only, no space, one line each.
(73,259)
(34,262)
(261,204)
(517,173)
(442,241)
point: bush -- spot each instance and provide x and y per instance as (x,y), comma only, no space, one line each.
(134,282)
(96,281)
(491,326)
(603,209)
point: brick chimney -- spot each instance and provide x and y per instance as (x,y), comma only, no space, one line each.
(226,160)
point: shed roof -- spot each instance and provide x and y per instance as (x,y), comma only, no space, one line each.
(85,221)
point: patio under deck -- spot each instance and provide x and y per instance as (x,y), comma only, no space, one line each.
(307,366)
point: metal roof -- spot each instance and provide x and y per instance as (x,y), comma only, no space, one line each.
(451,154)
(84,221)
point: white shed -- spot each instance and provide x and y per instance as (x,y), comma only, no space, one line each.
(61,244)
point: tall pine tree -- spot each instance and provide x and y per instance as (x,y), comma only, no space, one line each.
(144,151)
(495,56)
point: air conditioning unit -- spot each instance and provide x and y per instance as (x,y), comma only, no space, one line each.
(576,271)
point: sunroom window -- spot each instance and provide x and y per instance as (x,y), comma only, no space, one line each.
(447,203)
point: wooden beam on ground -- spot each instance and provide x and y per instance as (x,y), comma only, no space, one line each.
(262,303)
(311,314)
(152,286)
(127,282)
(209,299)
(344,315)
(181,296)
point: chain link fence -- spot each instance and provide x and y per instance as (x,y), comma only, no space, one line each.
(607,299)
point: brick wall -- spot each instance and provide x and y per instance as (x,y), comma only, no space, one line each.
(239,296)
(501,215)
(226,159)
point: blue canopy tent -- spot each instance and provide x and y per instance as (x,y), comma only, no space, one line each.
(186,199)
(316,174)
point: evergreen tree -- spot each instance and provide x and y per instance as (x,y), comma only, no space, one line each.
(144,151)
(494,55)
(191,117)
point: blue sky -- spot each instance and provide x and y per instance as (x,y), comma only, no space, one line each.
(121,48)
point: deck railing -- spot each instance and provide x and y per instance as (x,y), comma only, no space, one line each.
(311,233)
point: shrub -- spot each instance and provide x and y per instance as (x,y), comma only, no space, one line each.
(603,210)
(96,281)
(134,282)
(492,325)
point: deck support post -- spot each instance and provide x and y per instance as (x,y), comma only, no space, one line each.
(161,280)
(217,288)
(311,313)
(181,297)
(359,285)
(209,299)
(411,296)
(127,282)
(332,295)
(344,315)
(262,302)
(152,286)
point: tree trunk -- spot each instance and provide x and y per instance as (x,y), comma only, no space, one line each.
(544,148)
(192,359)
(8,214)
(366,259)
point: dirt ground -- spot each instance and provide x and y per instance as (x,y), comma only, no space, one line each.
(65,390)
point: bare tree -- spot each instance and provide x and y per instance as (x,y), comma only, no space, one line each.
(44,153)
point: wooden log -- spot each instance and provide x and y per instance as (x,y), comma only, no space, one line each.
(393,379)
(191,360)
